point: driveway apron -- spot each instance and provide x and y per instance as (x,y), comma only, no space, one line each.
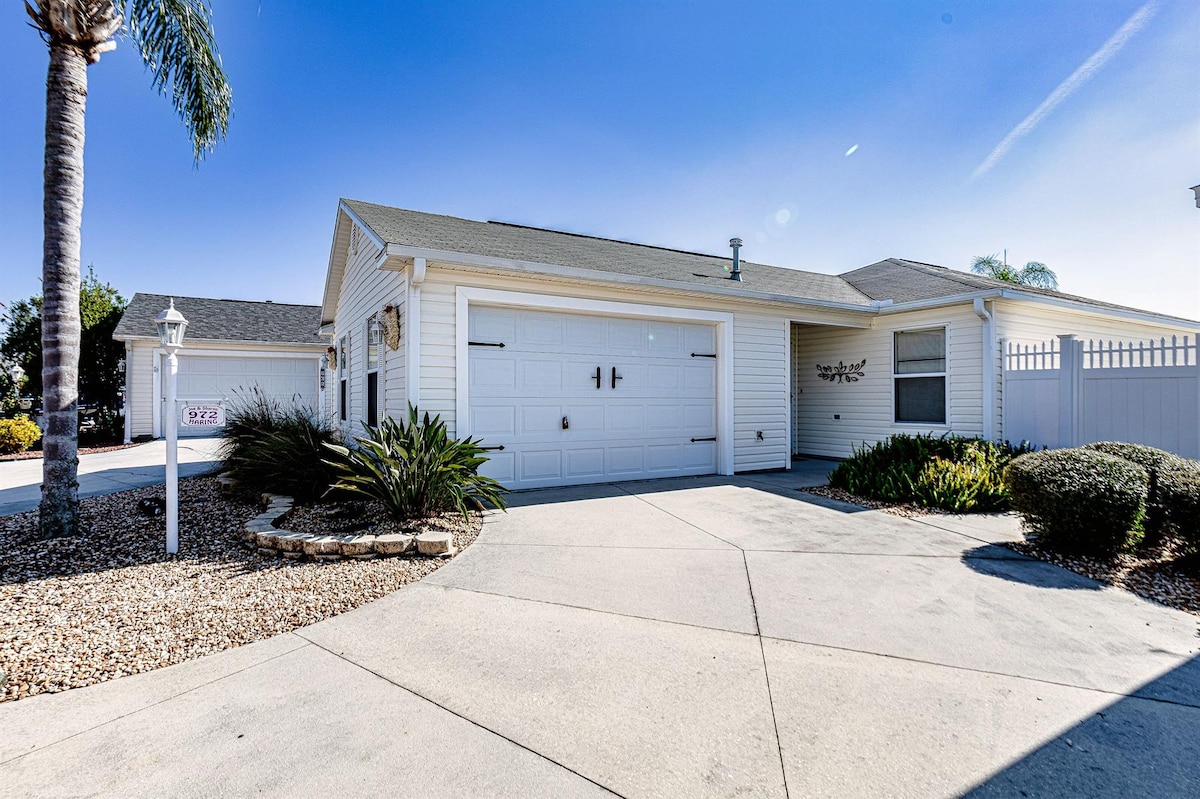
(691,637)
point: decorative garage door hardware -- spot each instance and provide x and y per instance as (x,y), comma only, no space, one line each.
(615,377)
(710,438)
(842,372)
(597,377)
(704,355)
(490,449)
(485,344)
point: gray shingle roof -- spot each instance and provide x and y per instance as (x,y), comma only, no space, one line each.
(536,245)
(224,320)
(901,280)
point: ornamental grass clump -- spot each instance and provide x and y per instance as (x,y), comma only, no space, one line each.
(276,447)
(415,469)
(1079,501)
(963,475)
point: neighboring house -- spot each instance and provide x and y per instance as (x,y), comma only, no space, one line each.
(579,359)
(230,346)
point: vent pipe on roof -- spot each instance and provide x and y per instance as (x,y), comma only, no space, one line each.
(736,273)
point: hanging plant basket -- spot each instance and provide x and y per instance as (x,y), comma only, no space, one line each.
(390,319)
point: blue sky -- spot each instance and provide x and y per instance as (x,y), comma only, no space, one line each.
(672,123)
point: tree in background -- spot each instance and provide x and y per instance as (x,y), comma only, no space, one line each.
(100,376)
(1033,273)
(174,39)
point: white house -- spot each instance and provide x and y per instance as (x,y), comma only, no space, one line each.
(579,359)
(230,346)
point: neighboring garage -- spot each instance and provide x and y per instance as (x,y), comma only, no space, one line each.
(575,398)
(230,347)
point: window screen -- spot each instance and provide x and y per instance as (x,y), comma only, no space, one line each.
(920,376)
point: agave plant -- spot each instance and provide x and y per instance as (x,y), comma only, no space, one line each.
(414,468)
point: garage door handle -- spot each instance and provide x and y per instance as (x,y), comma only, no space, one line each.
(615,377)
(490,449)
(711,438)
(597,377)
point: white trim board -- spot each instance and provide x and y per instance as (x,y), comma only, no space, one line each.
(466,296)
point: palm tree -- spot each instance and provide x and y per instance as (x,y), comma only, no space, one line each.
(175,41)
(1034,273)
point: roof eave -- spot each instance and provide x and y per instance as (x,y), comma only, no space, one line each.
(558,270)
(246,342)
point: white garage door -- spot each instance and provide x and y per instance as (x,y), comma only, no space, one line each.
(205,377)
(577,399)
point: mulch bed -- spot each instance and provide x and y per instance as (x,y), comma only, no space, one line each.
(37,453)
(111,602)
(1166,577)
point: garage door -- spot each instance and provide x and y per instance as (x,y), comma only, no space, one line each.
(204,377)
(572,399)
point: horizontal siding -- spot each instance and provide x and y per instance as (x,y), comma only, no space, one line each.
(760,366)
(365,290)
(865,406)
(140,389)
(1029,323)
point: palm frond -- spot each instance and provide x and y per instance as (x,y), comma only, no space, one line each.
(1039,275)
(175,40)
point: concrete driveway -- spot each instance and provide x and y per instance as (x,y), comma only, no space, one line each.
(696,637)
(107,472)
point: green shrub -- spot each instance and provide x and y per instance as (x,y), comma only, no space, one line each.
(955,474)
(415,469)
(1154,461)
(269,446)
(1079,500)
(18,435)
(1179,491)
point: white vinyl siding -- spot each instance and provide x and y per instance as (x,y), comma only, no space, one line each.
(365,291)
(760,369)
(864,408)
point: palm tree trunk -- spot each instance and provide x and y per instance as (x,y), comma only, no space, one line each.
(66,101)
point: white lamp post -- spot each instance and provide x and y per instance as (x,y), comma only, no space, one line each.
(171,325)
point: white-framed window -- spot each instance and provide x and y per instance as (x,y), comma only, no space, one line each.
(374,342)
(343,370)
(919,376)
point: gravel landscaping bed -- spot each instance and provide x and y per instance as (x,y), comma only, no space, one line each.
(1166,579)
(111,602)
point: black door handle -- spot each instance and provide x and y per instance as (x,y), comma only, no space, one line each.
(597,377)
(615,377)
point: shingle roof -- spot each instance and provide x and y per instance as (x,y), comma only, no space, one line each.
(901,280)
(224,320)
(536,245)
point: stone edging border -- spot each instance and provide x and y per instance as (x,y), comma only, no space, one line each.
(262,533)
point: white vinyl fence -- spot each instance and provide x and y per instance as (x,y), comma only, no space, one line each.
(1069,392)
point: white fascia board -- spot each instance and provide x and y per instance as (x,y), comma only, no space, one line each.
(380,243)
(533,267)
(1149,317)
(333,272)
(199,342)
(886,307)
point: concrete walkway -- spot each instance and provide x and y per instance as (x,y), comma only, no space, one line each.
(689,638)
(106,472)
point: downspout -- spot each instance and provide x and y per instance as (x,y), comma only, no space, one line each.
(989,368)
(128,391)
(412,333)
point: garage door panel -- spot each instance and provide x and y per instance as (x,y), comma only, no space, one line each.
(547,370)
(209,378)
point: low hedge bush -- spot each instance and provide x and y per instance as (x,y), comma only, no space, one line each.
(18,435)
(1154,461)
(947,472)
(1179,489)
(1081,501)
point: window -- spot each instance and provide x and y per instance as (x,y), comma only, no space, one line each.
(374,339)
(919,375)
(342,369)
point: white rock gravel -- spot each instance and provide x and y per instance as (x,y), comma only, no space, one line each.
(110,602)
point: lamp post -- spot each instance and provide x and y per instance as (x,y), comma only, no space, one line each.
(171,325)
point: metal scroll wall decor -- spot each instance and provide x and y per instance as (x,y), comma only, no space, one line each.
(842,373)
